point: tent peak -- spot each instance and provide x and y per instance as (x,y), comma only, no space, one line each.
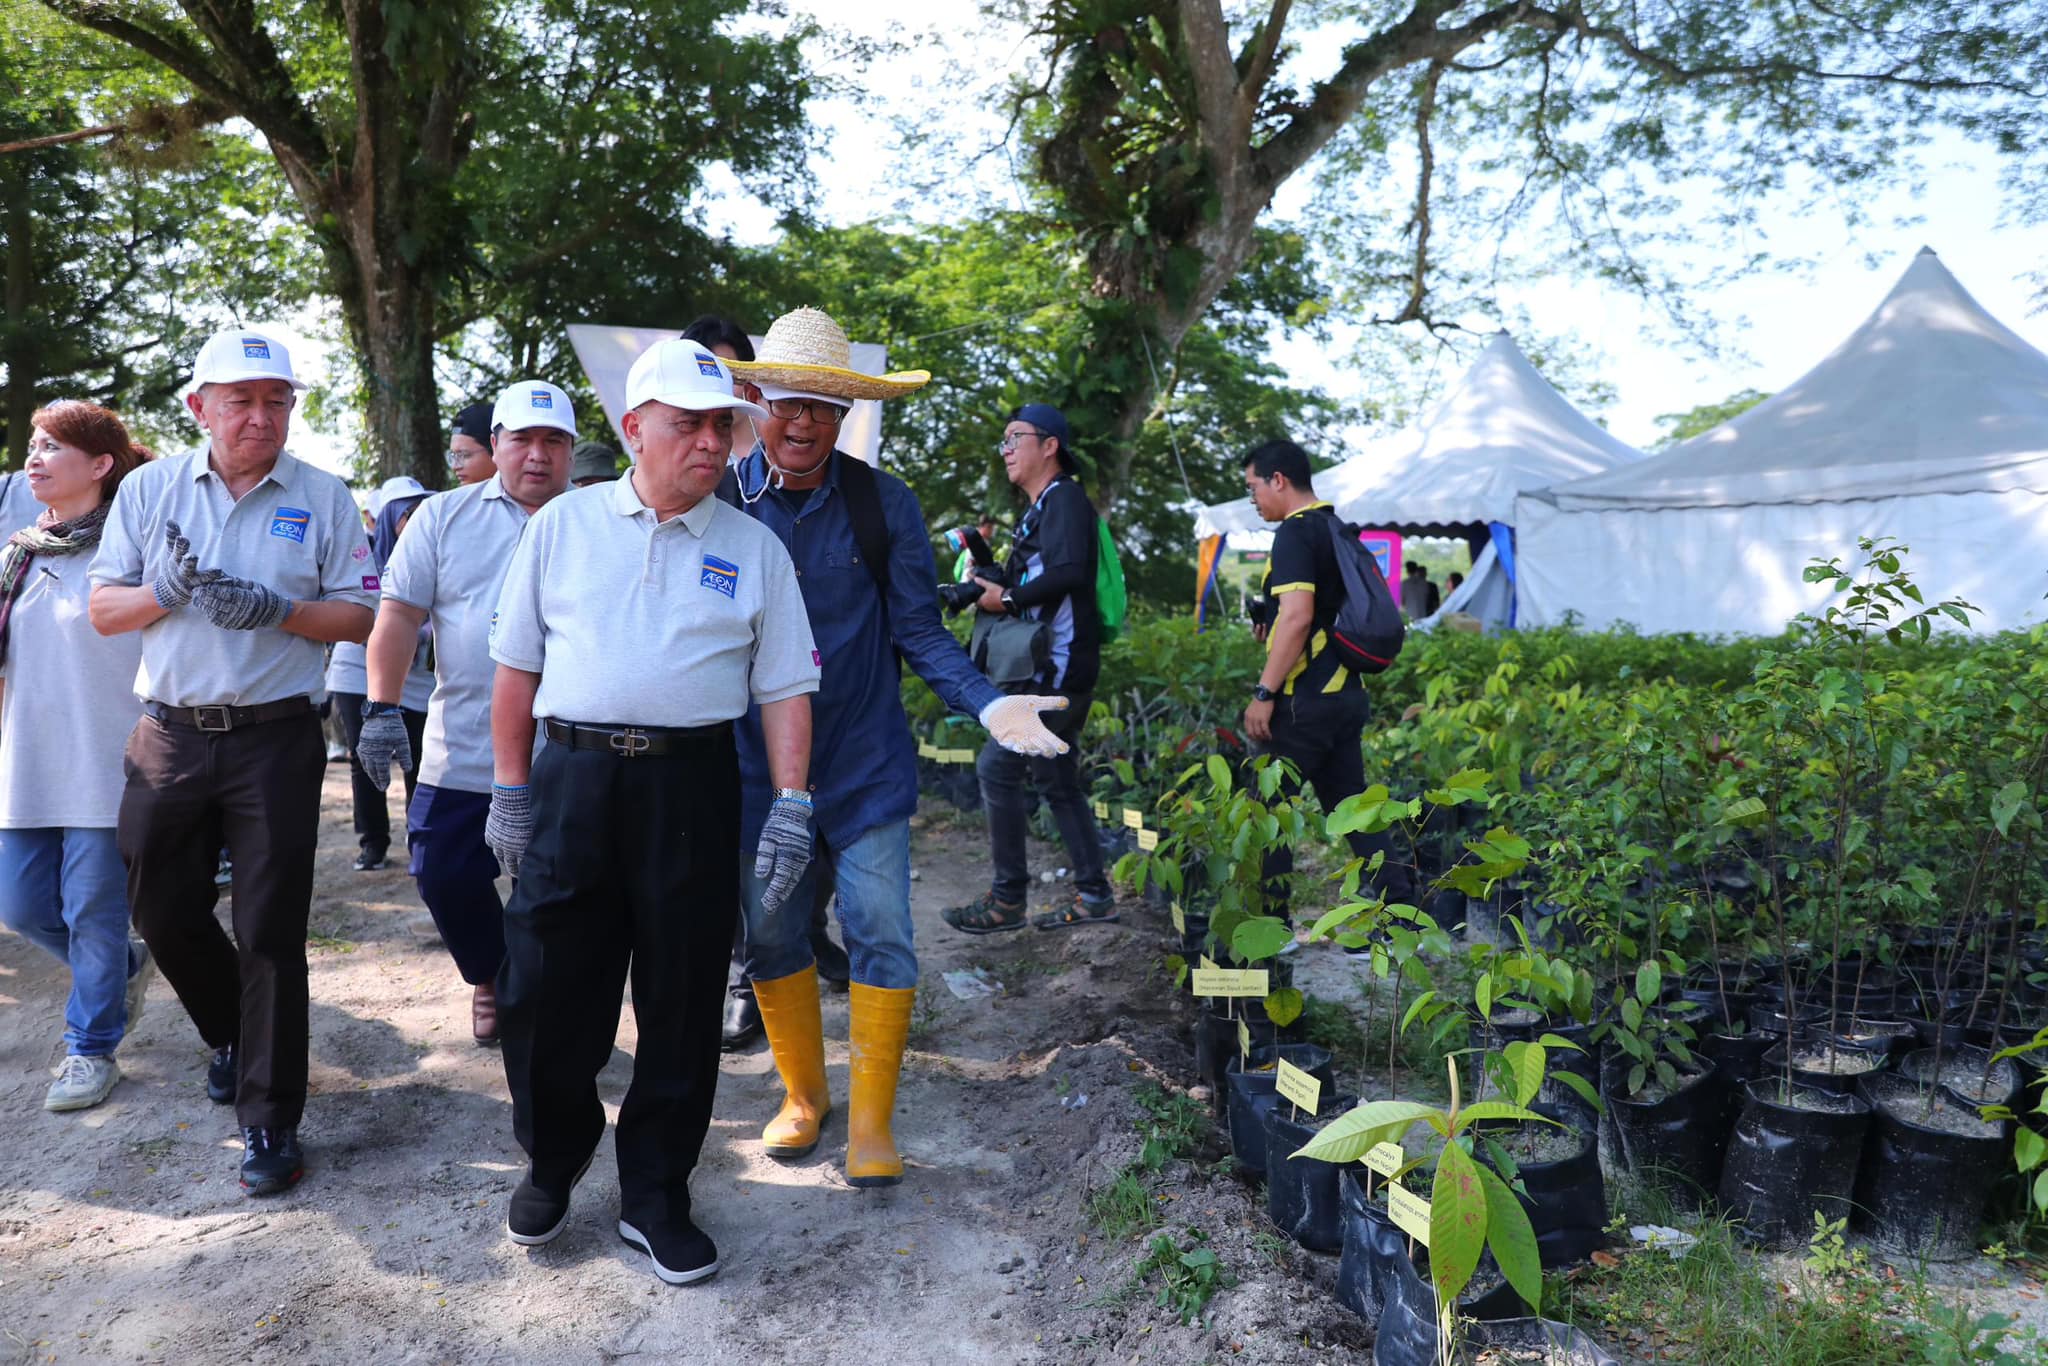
(1927,251)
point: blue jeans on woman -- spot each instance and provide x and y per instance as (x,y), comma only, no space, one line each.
(870,878)
(66,891)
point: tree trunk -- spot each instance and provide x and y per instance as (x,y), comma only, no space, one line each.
(22,371)
(388,308)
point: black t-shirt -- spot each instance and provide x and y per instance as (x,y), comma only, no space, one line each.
(1051,571)
(1302,561)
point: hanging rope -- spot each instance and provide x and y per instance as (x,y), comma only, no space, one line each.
(1166,413)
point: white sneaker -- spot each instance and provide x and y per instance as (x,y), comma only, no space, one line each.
(82,1083)
(138,987)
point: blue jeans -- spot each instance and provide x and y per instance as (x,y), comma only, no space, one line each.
(871,880)
(66,891)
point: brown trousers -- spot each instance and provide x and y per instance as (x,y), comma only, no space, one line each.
(256,791)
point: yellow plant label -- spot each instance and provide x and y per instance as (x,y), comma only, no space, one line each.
(1385,1158)
(1409,1211)
(1102,811)
(1298,1086)
(1180,919)
(1215,981)
(1148,840)
(956,756)
(1244,1039)
(1134,819)
(927,750)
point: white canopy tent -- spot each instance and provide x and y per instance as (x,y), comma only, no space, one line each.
(1501,429)
(1929,425)
(608,353)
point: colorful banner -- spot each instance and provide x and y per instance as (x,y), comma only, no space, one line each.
(1205,579)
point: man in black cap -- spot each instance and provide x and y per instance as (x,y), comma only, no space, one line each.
(1049,579)
(469,449)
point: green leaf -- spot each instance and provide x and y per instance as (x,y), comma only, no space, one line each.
(1178,966)
(1331,919)
(1498,1109)
(1747,811)
(1457,1222)
(1582,1088)
(1512,1238)
(1482,994)
(1415,1008)
(2005,804)
(1649,983)
(2041,1192)
(1348,1137)
(1219,774)
(1260,938)
(2028,1148)
(1527,1061)
(1283,1007)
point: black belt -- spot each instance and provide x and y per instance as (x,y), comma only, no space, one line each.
(636,742)
(224,718)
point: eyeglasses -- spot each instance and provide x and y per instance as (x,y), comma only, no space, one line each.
(1009,443)
(789,409)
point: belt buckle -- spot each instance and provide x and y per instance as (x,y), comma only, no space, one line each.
(219,712)
(630,742)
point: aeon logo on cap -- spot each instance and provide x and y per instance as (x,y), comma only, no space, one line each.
(255,348)
(543,399)
(707,366)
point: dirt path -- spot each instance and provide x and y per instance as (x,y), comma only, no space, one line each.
(123,1234)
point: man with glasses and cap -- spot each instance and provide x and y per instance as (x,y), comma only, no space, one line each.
(864,560)
(445,576)
(238,563)
(469,449)
(640,619)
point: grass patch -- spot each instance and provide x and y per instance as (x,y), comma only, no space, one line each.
(1189,1276)
(1175,1126)
(330,943)
(1123,1208)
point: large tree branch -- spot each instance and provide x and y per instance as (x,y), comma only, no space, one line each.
(1418,273)
(1255,63)
(1206,35)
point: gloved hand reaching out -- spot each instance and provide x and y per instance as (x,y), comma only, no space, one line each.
(785,848)
(1015,724)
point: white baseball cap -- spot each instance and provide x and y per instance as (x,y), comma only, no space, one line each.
(245,353)
(684,374)
(397,486)
(533,403)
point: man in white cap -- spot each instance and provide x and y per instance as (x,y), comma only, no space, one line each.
(639,620)
(446,572)
(864,559)
(238,563)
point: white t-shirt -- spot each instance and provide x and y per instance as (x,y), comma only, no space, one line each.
(68,705)
(632,623)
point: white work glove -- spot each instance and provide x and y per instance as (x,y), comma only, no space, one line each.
(1015,725)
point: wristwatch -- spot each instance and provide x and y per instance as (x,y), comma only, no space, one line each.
(1009,603)
(1261,693)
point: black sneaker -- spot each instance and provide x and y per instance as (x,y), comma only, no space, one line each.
(680,1253)
(367,862)
(271,1160)
(537,1215)
(220,1076)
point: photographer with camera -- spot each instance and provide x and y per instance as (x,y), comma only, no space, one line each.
(1040,632)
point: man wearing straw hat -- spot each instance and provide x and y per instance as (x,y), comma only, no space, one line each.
(864,562)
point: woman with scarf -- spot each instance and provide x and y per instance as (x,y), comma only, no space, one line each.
(67,704)
(348,683)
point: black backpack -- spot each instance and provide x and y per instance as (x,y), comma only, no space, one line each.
(857,485)
(1369,628)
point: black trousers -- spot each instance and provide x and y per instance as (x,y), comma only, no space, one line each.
(257,790)
(1007,794)
(372,815)
(631,870)
(1320,733)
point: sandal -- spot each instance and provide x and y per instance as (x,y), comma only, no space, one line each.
(985,915)
(1075,913)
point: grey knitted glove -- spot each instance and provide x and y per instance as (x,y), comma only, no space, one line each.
(509,827)
(383,740)
(175,581)
(239,605)
(785,851)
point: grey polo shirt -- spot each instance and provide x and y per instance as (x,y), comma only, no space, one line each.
(18,507)
(678,624)
(297,532)
(450,564)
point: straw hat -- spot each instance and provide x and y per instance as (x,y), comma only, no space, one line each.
(807,351)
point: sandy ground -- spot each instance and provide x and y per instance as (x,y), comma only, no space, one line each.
(124,1236)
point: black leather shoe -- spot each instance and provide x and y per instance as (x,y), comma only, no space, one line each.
(742,1019)
(220,1076)
(271,1160)
(681,1252)
(538,1213)
(367,862)
(834,970)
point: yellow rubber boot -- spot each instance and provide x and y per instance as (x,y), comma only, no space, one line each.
(796,1033)
(881,1025)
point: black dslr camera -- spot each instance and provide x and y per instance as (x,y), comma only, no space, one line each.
(958,597)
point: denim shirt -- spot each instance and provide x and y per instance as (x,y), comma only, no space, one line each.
(863,760)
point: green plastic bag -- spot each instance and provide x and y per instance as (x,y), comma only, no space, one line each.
(1112,605)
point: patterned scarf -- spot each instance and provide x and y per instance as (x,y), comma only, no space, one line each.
(48,536)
